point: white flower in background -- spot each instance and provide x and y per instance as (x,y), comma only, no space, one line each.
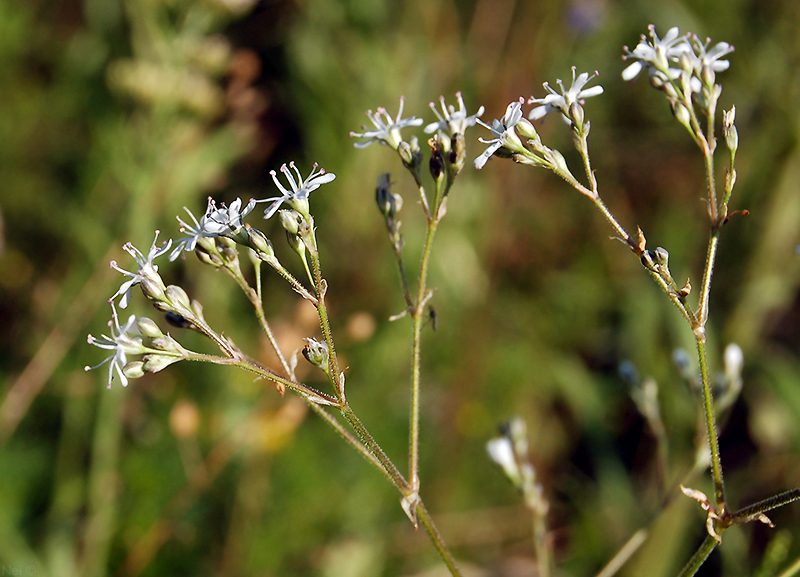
(503,132)
(124,341)
(452,121)
(563,101)
(657,55)
(501,451)
(388,128)
(297,197)
(147,270)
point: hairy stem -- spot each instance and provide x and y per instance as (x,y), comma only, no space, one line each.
(699,557)
(711,428)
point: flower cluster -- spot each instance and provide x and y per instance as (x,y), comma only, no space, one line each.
(129,339)
(677,59)
(212,237)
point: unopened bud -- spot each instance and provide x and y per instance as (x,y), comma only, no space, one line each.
(290,221)
(436,163)
(406,154)
(661,257)
(729,129)
(316,353)
(576,115)
(526,130)
(148,327)
(134,370)
(154,363)
(260,243)
(152,289)
(388,202)
(682,114)
(707,76)
(178,298)
(686,62)
(207,257)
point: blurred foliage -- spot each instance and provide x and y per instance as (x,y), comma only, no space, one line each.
(114,114)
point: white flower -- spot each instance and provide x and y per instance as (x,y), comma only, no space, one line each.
(388,129)
(226,220)
(501,451)
(123,342)
(452,121)
(206,228)
(147,270)
(562,102)
(503,132)
(657,55)
(297,197)
(710,58)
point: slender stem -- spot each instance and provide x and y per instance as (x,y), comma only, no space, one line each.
(436,538)
(623,555)
(417,317)
(296,285)
(540,543)
(711,428)
(347,436)
(699,557)
(254,296)
(398,254)
(705,289)
(774,502)
(370,443)
(252,366)
(711,184)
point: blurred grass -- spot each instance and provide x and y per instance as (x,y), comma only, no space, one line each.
(116,114)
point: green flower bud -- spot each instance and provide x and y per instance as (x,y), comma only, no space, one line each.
(148,328)
(134,370)
(290,221)
(317,354)
(154,362)
(178,298)
(260,243)
(152,290)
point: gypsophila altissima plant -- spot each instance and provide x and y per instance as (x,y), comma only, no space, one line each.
(684,69)
(221,235)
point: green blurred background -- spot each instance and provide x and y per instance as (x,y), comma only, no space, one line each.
(114,114)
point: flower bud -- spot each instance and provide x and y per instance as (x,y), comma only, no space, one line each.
(148,328)
(576,115)
(436,163)
(260,243)
(178,298)
(207,257)
(661,257)
(681,113)
(154,362)
(134,370)
(729,129)
(317,354)
(178,321)
(295,243)
(388,202)
(526,130)
(708,76)
(290,221)
(152,290)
